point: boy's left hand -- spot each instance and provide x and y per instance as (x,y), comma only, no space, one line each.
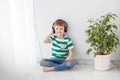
(68,59)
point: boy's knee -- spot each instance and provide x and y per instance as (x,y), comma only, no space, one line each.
(42,62)
(71,63)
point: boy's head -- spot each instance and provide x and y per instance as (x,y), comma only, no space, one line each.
(59,23)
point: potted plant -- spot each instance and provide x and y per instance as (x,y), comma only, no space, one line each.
(103,39)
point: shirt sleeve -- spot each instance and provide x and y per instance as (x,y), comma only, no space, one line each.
(70,44)
(51,37)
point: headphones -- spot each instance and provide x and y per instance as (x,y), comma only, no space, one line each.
(60,21)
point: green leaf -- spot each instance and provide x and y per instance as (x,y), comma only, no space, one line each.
(114,26)
(89,50)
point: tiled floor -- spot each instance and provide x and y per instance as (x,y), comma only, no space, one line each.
(79,72)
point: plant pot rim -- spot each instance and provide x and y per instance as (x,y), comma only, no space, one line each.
(102,55)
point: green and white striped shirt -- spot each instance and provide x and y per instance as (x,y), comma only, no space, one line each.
(60,47)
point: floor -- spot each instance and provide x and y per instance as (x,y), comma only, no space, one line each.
(79,72)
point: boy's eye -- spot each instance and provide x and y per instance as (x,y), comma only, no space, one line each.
(61,28)
(56,28)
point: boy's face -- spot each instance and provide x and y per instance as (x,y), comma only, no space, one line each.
(59,30)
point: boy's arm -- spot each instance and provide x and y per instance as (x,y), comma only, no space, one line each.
(47,38)
(70,55)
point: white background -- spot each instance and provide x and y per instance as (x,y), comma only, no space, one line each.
(76,13)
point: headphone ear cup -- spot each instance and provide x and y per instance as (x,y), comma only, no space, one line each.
(66,26)
(65,29)
(53,29)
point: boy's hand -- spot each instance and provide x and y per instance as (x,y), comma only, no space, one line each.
(68,59)
(47,40)
(51,32)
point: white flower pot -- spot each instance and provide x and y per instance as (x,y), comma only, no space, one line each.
(102,62)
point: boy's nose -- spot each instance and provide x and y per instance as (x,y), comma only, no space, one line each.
(58,30)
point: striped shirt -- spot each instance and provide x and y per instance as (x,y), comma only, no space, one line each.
(60,47)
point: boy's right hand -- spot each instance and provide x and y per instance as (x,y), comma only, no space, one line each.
(51,32)
(47,38)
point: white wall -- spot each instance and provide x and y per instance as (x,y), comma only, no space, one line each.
(76,13)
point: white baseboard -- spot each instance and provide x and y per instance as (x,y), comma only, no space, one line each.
(113,62)
(84,62)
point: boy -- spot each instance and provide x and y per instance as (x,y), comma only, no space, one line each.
(62,48)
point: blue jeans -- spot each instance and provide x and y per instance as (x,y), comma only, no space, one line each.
(58,63)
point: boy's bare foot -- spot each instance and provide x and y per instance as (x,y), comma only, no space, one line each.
(48,69)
